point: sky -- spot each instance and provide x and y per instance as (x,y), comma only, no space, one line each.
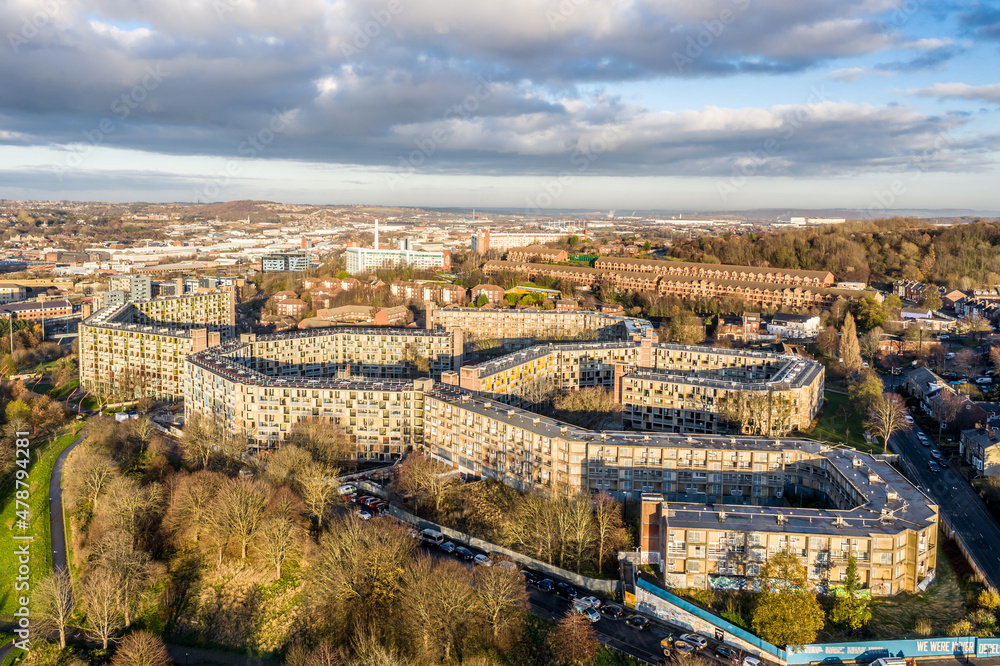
(527,104)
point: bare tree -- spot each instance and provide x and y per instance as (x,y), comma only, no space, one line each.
(500,598)
(317,484)
(871,343)
(611,533)
(591,407)
(142,648)
(191,503)
(885,417)
(574,642)
(55,603)
(131,567)
(325,440)
(581,527)
(142,430)
(424,478)
(240,508)
(92,473)
(134,508)
(276,541)
(101,606)
(436,599)
(945,408)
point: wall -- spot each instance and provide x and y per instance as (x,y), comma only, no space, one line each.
(659,603)
(609,587)
(868,651)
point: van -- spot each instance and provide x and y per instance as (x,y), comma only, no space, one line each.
(889,661)
(347,491)
(432,536)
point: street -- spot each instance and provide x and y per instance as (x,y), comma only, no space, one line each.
(957,501)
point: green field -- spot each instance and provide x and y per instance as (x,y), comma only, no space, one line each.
(837,418)
(43,459)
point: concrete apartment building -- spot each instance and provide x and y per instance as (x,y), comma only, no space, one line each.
(11,292)
(281,262)
(138,348)
(517,329)
(876,515)
(365,259)
(486,240)
(663,387)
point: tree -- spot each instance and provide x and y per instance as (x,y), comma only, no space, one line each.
(885,417)
(141,648)
(787,612)
(995,359)
(871,313)
(871,344)
(945,408)
(500,598)
(932,299)
(131,567)
(611,533)
(646,246)
(850,349)
(966,361)
(687,328)
(827,341)
(240,508)
(591,407)
(852,608)
(54,603)
(277,540)
(317,484)
(865,390)
(425,479)
(101,606)
(435,604)
(482,300)
(574,642)
(975,324)
(134,508)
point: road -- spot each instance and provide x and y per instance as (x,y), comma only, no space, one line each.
(957,501)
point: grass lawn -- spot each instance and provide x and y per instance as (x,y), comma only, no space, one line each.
(43,458)
(837,417)
(942,604)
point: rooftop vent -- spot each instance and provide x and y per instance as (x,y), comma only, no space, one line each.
(722,516)
(781,518)
(511,412)
(839,522)
(855,462)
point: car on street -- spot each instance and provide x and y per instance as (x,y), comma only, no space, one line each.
(447,547)
(695,639)
(935,454)
(593,602)
(637,621)
(909,419)
(463,553)
(530,577)
(727,653)
(934,467)
(482,560)
(684,647)
(611,610)
(546,585)
(943,464)
(362,514)
(586,611)
(565,591)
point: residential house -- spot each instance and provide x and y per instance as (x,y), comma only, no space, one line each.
(492,292)
(794,325)
(980,447)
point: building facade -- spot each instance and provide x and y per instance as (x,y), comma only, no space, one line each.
(364,259)
(486,240)
(281,262)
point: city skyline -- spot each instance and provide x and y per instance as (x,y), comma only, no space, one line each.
(726,105)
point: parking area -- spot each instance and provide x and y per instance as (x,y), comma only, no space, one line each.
(552,598)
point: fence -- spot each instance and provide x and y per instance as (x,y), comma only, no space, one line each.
(609,587)
(864,652)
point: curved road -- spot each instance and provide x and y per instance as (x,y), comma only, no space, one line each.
(56,528)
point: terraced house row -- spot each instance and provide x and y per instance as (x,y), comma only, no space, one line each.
(718,271)
(138,348)
(693,286)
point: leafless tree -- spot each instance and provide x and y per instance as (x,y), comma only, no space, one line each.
(885,417)
(240,507)
(191,503)
(117,554)
(101,606)
(141,648)
(324,440)
(55,603)
(277,540)
(871,343)
(426,479)
(611,533)
(317,484)
(574,642)
(500,598)
(436,599)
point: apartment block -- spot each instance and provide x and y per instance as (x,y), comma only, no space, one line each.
(516,329)
(280,262)
(138,348)
(536,253)
(364,259)
(11,292)
(486,240)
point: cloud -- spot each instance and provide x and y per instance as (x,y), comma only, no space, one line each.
(989,92)
(982,21)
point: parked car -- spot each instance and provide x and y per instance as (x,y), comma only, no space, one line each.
(464,553)
(362,514)
(565,591)
(684,647)
(482,560)
(447,547)
(727,653)
(593,602)
(935,454)
(611,610)
(586,611)
(943,464)
(695,639)
(934,467)
(984,380)
(546,585)
(530,577)
(637,621)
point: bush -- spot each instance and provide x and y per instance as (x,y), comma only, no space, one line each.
(923,627)
(960,628)
(989,600)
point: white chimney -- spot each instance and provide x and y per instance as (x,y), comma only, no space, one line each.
(376,233)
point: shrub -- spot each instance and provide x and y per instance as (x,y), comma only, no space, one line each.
(989,600)
(960,628)
(923,627)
